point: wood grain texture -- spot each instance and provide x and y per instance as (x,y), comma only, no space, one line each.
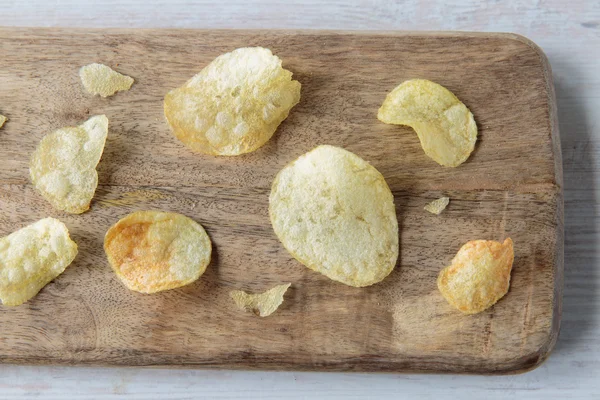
(511,185)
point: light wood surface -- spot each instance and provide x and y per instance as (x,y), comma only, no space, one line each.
(510,186)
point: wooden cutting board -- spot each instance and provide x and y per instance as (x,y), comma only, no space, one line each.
(510,186)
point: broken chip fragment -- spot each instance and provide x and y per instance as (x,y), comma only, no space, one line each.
(437,206)
(444,125)
(103,80)
(261,304)
(335,214)
(479,275)
(3,119)
(234,105)
(151,251)
(63,166)
(32,257)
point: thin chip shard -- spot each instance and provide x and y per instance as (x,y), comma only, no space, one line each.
(31,257)
(152,251)
(3,119)
(335,214)
(479,275)
(103,80)
(63,166)
(437,206)
(234,105)
(444,125)
(261,304)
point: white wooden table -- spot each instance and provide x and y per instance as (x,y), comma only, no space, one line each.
(570,36)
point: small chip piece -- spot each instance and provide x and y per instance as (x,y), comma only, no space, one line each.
(479,275)
(234,105)
(335,214)
(437,206)
(444,125)
(31,257)
(261,304)
(151,251)
(63,167)
(3,119)
(103,80)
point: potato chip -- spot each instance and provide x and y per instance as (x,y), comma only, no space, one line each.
(437,206)
(103,80)
(234,105)
(261,304)
(3,119)
(31,257)
(335,214)
(151,251)
(63,167)
(479,275)
(444,125)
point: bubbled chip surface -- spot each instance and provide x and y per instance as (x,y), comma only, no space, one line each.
(151,251)
(63,166)
(234,105)
(31,257)
(479,275)
(261,304)
(103,80)
(335,214)
(444,125)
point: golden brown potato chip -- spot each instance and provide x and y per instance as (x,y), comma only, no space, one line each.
(103,80)
(234,105)
(63,167)
(437,206)
(335,214)
(31,257)
(151,251)
(261,304)
(444,125)
(479,275)
(2,120)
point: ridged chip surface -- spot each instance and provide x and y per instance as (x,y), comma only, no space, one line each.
(335,214)
(151,251)
(234,105)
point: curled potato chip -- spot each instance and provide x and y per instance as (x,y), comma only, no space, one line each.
(444,125)
(234,105)
(335,214)
(31,257)
(261,304)
(103,80)
(63,166)
(479,275)
(2,120)
(151,251)
(437,206)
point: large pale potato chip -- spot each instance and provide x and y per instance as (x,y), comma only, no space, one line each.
(261,304)
(103,80)
(335,214)
(2,120)
(63,167)
(479,275)
(31,257)
(437,206)
(234,105)
(444,125)
(151,251)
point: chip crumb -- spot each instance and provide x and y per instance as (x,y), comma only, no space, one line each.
(3,119)
(63,166)
(261,304)
(103,80)
(32,257)
(437,206)
(445,126)
(478,276)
